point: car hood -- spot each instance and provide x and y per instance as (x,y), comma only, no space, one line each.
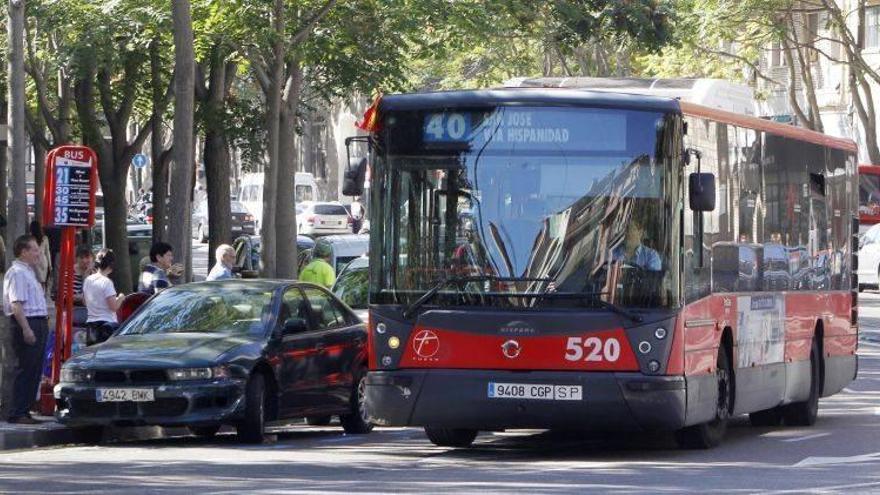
(159,350)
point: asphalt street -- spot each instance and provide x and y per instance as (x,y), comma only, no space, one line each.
(841,453)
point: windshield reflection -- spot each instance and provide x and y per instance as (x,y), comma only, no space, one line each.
(231,310)
(567,217)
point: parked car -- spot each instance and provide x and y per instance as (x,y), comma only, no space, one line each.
(247,252)
(232,352)
(315,218)
(352,286)
(869,258)
(344,248)
(242,221)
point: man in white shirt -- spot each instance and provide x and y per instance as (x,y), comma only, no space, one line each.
(222,269)
(24,302)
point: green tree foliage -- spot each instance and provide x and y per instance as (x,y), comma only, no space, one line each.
(480,43)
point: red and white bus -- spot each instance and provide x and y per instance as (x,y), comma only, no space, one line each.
(556,258)
(869,196)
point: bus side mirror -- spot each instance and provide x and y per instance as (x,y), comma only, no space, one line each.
(350,186)
(356,173)
(701,187)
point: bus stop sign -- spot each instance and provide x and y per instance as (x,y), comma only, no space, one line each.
(71,186)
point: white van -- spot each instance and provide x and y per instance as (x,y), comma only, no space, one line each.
(250,194)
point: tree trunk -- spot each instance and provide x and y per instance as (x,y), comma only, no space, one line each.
(4,149)
(112,183)
(40,152)
(179,230)
(158,156)
(285,217)
(273,115)
(17,219)
(216,152)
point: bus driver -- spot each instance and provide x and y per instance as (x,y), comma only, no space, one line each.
(633,252)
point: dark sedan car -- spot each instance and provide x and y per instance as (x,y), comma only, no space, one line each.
(242,222)
(236,352)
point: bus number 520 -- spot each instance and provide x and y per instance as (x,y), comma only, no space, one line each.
(594,349)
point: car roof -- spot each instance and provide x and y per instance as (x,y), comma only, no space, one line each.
(239,283)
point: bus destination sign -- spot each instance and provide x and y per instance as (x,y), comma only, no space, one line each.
(71,183)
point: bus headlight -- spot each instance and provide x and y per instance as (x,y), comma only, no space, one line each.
(394,342)
(660,333)
(381,328)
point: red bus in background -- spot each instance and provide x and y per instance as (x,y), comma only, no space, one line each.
(869,196)
(559,258)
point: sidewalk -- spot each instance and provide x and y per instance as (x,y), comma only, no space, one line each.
(50,433)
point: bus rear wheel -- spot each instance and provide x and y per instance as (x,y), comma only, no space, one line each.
(708,435)
(451,437)
(805,413)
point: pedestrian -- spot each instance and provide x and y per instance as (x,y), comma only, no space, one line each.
(44,262)
(222,269)
(357,215)
(154,277)
(24,302)
(319,271)
(101,298)
(84,266)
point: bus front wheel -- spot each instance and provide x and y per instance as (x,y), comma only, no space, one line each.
(708,435)
(451,437)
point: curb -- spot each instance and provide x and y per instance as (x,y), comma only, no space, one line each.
(63,435)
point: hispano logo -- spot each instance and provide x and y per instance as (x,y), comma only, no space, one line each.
(426,344)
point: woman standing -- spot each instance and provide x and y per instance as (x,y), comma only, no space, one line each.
(44,263)
(101,299)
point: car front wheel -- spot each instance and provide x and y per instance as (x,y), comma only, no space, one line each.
(252,427)
(357,421)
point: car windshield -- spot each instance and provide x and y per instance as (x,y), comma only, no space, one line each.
(351,287)
(238,207)
(233,309)
(575,200)
(330,210)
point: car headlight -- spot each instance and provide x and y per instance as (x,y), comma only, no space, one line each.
(198,373)
(75,375)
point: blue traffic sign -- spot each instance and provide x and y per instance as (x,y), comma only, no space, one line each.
(140,160)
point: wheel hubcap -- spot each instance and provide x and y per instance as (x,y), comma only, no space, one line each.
(362,399)
(723,410)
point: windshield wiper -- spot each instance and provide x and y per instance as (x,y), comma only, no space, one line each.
(427,296)
(593,296)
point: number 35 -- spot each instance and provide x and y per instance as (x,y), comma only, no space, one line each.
(596,349)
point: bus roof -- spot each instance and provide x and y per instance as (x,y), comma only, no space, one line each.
(587,98)
(764,125)
(526,96)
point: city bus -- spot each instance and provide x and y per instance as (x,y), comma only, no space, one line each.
(567,259)
(869,196)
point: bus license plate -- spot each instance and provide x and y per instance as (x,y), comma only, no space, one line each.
(124,395)
(534,391)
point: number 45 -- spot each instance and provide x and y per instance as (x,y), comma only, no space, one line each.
(596,349)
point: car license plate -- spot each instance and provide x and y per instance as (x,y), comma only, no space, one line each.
(124,395)
(236,228)
(534,391)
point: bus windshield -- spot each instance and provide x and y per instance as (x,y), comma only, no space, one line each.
(537,201)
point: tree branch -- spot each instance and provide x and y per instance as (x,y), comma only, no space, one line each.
(307,28)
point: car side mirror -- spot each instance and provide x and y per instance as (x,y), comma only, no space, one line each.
(701,189)
(294,325)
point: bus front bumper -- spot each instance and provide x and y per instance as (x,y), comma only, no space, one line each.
(461,399)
